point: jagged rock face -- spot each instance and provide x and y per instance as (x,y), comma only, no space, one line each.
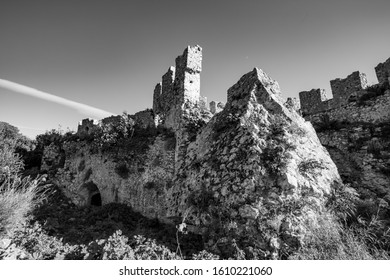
(249,169)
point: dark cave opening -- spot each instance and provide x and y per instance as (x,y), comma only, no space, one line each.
(96,199)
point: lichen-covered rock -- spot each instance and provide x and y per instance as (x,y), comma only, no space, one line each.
(254,167)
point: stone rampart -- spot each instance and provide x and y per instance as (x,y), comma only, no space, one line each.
(343,91)
(382,71)
(375,110)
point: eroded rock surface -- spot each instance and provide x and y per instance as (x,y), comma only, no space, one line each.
(248,167)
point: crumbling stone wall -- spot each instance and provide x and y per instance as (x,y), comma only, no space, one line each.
(353,126)
(373,111)
(312,101)
(361,153)
(187,79)
(86,126)
(342,88)
(140,179)
(315,100)
(144,119)
(382,71)
(164,96)
(180,87)
(216,107)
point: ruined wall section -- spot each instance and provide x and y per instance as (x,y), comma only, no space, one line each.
(315,100)
(342,88)
(187,79)
(180,86)
(354,127)
(372,111)
(216,107)
(87,126)
(312,101)
(144,119)
(382,71)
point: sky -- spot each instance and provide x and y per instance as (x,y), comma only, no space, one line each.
(110,54)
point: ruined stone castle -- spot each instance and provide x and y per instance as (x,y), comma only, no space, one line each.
(354,126)
(228,171)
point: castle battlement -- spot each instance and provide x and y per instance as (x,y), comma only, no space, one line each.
(343,91)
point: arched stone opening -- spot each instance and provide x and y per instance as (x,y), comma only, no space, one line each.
(90,194)
(96,199)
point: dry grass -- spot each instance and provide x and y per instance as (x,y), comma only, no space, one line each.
(17,200)
(328,240)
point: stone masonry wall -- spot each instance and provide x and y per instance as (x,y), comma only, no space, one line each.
(86,126)
(373,111)
(315,100)
(382,71)
(187,79)
(312,101)
(354,128)
(144,118)
(342,88)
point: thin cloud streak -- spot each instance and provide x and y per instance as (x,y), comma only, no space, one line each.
(80,107)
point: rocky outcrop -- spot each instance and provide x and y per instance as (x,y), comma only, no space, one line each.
(248,167)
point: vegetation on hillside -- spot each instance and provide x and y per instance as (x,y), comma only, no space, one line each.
(39,222)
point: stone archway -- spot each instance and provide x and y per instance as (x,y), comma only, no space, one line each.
(90,194)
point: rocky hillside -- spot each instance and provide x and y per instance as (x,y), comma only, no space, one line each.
(248,179)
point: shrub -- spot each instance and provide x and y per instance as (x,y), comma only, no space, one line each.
(275,154)
(373,92)
(326,123)
(18,196)
(375,147)
(310,166)
(122,170)
(325,239)
(17,200)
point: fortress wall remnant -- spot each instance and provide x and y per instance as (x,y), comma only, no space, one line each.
(382,71)
(315,101)
(216,107)
(144,118)
(342,88)
(312,101)
(167,97)
(187,78)
(156,98)
(375,111)
(86,126)
(164,96)
(112,120)
(180,85)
